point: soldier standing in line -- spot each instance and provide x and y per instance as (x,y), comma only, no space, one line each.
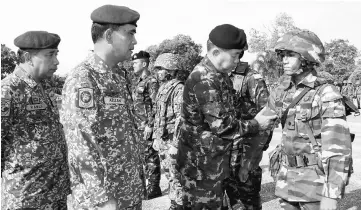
(167,116)
(358,93)
(209,123)
(105,151)
(312,164)
(344,89)
(244,184)
(350,90)
(34,164)
(144,92)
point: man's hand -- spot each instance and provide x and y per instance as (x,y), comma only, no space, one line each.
(111,204)
(266,118)
(328,204)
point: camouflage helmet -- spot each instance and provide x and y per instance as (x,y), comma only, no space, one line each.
(304,42)
(168,61)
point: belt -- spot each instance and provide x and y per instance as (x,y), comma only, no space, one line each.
(301,160)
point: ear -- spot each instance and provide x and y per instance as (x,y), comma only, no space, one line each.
(144,64)
(216,52)
(27,57)
(108,35)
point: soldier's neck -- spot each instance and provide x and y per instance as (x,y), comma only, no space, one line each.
(30,71)
(296,79)
(107,58)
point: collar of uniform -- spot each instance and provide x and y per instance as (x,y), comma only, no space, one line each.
(25,76)
(208,64)
(308,80)
(98,64)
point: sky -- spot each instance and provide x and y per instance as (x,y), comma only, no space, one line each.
(164,19)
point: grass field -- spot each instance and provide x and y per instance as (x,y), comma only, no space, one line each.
(352,200)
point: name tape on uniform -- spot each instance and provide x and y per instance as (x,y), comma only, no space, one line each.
(114,100)
(32,107)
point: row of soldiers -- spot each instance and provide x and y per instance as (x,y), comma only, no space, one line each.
(208,132)
(352,91)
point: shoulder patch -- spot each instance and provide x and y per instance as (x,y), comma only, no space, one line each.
(85,97)
(5,107)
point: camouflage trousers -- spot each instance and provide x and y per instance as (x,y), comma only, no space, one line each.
(202,194)
(299,205)
(152,164)
(246,193)
(73,206)
(167,153)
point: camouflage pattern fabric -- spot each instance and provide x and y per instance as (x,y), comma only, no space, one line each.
(297,205)
(167,115)
(251,96)
(358,95)
(323,110)
(34,162)
(208,127)
(101,133)
(168,61)
(144,93)
(304,42)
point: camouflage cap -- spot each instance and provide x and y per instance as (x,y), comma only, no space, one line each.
(304,42)
(168,61)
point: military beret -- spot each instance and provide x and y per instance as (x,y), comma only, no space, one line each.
(111,14)
(37,40)
(227,36)
(141,55)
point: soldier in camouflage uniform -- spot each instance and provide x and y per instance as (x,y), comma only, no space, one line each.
(167,115)
(97,113)
(34,164)
(251,97)
(209,123)
(358,93)
(144,93)
(315,154)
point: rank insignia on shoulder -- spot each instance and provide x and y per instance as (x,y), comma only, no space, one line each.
(85,98)
(5,107)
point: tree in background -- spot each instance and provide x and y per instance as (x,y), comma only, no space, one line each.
(8,61)
(264,42)
(189,51)
(340,58)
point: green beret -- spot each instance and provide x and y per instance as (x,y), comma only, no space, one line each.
(111,14)
(141,55)
(37,40)
(227,36)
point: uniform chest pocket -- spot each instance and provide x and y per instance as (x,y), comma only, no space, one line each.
(114,106)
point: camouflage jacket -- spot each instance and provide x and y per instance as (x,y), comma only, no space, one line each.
(101,134)
(251,96)
(167,112)
(209,124)
(321,112)
(144,93)
(33,149)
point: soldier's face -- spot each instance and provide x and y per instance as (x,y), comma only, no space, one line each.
(45,63)
(123,42)
(138,66)
(227,60)
(291,63)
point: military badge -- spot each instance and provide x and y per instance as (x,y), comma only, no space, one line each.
(85,98)
(5,107)
(35,99)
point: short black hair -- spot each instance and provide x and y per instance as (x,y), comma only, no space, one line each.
(21,54)
(97,30)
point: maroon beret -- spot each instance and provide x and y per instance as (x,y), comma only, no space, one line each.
(227,36)
(112,14)
(37,40)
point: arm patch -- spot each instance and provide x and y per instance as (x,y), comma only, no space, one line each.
(5,107)
(85,98)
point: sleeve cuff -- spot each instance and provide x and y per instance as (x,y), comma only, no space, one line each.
(332,191)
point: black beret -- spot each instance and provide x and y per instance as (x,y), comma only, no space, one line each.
(227,36)
(140,55)
(112,14)
(37,40)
